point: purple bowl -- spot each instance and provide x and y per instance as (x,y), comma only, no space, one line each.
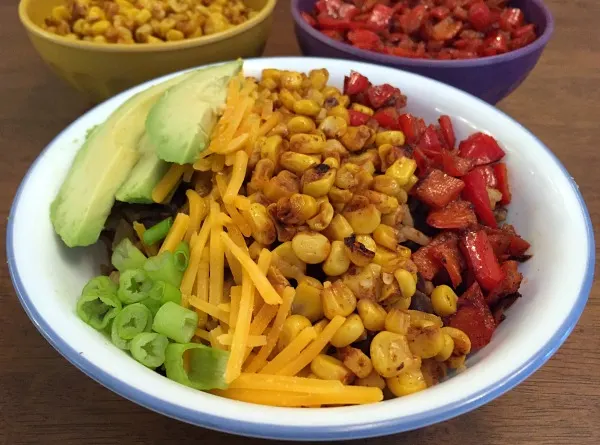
(489,78)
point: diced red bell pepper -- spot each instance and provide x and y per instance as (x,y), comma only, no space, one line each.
(348,12)
(454,165)
(490,177)
(511,18)
(458,214)
(501,174)
(325,21)
(423,162)
(358,118)
(482,148)
(480,16)
(333,34)
(509,285)
(412,20)
(412,127)
(387,118)
(475,191)
(505,242)
(308,19)
(355,83)
(364,38)
(496,43)
(447,130)
(379,95)
(523,31)
(430,143)
(482,260)
(446,29)
(427,265)
(518,246)
(448,255)
(440,12)
(438,189)
(380,18)
(474,318)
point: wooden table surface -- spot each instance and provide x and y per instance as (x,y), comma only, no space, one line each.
(45,400)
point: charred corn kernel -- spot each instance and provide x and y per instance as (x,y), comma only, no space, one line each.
(364,282)
(402,170)
(397,321)
(337,299)
(307,107)
(372,314)
(284,185)
(384,203)
(318,180)
(407,382)
(390,354)
(330,368)
(100,27)
(292,326)
(349,332)
(263,228)
(307,143)
(357,252)
(307,301)
(338,262)
(297,209)
(444,300)
(347,176)
(340,111)
(420,319)
(174,35)
(373,380)
(367,241)
(384,256)
(356,361)
(462,343)
(433,372)
(318,78)
(339,196)
(406,281)
(323,217)
(387,236)
(332,162)
(411,182)
(290,80)
(392,137)
(311,247)
(287,262)
(62,13)
(271,147)
(362,215)
(457,362)
(362,109)
(425,342)
(333,126)
(297,162)
(338,229)
(356,138)
(301,124)
(446,350)
(287,99)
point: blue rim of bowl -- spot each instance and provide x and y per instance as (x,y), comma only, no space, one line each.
(387,60)
(303,433)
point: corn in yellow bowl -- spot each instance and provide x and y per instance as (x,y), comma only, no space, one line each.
(101,70)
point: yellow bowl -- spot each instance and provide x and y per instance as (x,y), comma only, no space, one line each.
(101,70)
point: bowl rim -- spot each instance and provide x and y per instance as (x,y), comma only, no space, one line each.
(264,13)
(271,431)
(389,60)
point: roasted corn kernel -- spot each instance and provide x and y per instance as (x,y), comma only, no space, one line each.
(419,319)
(263,228)
(301,124)
(372,314)
(356,361)
(384,203)
(446,350)
(390,354)
(307,143)
(358,252)
(311,247)
(444,300)
(338,229)
(318,180)
(406,281)
(333,126)
(402,170)
(307,301)
(338,262)
(287,261)
(392,137)
(307,107)
(362,109)
(355,138)
(290,80)
(433,372)
(407,382)
(387,236)
(362,215)
(284,185)
(330,368)
(373,380)
(292,326)
(426,342)
(337,299)
(297,162)
(271,147)
(318,78)
(462,343)
(397,321)
(349,332)
(364,282)
(339,111)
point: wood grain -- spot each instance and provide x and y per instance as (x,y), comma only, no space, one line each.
(44,400)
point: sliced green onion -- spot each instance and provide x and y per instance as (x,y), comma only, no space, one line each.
(134,286)
(98,303)
(160,293)
(206,366)
(182,256)
(162,268)
(176,322)
(157,232)
(132,320)
(148,348)
(126,256)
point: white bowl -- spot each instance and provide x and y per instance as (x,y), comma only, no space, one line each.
(547,210)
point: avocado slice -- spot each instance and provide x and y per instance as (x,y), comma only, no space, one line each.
(102,164)
(179,125)
(148,172)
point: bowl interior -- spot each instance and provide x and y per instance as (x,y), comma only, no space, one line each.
(547,210)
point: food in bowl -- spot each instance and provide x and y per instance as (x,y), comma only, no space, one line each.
(280,241)
(144,21)
(425,29)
